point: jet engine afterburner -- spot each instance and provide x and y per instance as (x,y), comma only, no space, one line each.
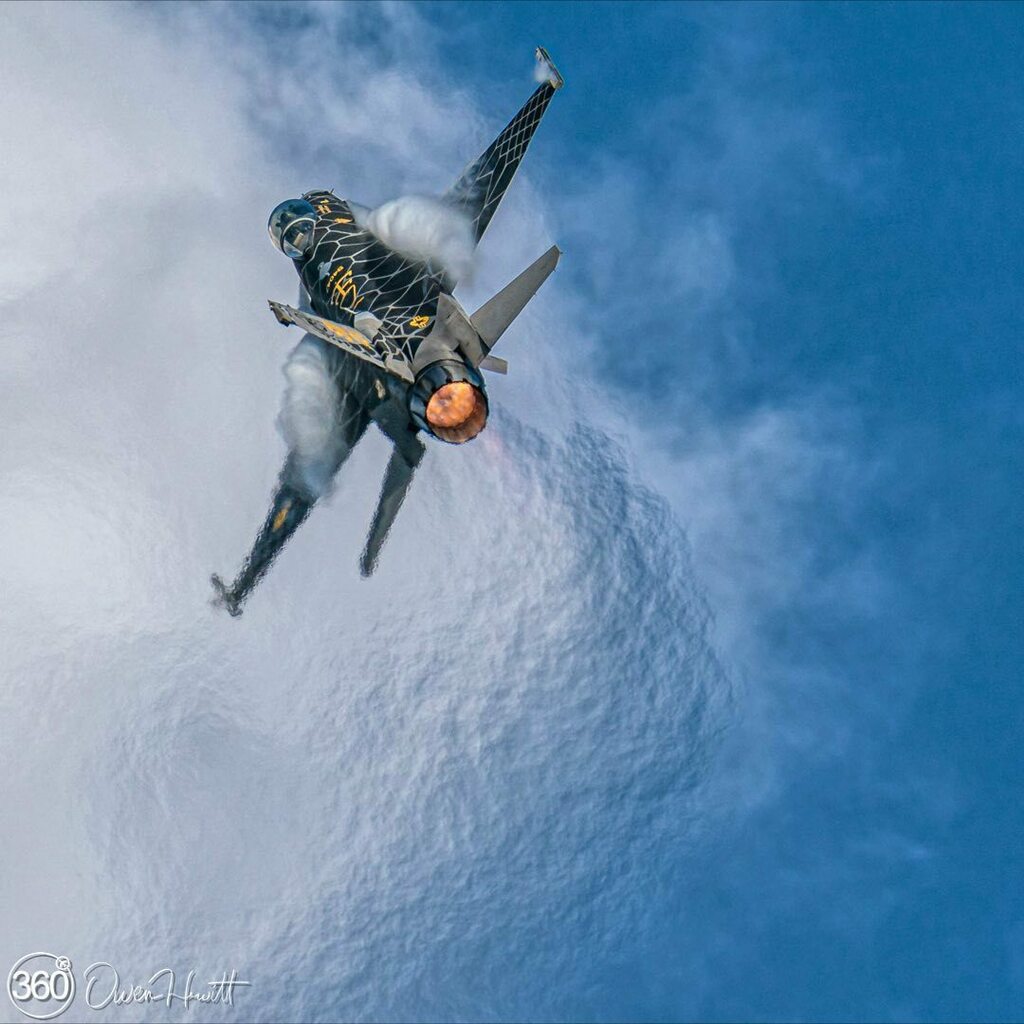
(449,400)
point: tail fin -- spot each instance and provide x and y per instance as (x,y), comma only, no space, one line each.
(475,335)
(492,319)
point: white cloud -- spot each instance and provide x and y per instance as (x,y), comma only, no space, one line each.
(510,729)
(372,782)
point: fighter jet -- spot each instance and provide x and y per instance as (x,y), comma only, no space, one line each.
(402,352)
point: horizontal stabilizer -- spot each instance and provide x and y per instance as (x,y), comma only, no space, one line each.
(493,317)
(494,363)
(397,478)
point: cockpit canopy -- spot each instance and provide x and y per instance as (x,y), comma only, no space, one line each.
(291,227)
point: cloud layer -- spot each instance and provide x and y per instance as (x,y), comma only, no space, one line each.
(393,786)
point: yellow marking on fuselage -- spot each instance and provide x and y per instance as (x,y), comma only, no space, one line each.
(281,516)
(334,275)
(342,220)
(323,207)
(343,291)
(419,321)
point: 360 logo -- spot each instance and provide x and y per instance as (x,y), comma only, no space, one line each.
(41,985)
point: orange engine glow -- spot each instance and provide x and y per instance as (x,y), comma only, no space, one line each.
(456,412)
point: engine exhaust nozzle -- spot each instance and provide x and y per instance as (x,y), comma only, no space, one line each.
(449,401)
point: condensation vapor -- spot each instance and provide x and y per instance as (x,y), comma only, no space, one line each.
(427,229)
(308,419)
(440,793)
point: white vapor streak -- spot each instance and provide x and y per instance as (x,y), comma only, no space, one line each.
(308,414)
(426,229)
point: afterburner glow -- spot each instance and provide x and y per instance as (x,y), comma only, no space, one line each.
(456,412)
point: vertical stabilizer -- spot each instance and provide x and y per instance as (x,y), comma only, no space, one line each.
(492,319)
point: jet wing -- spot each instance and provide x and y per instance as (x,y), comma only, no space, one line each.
(483,183)
(296,493)
(380,352)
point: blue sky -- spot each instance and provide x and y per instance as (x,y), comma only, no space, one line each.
(881,271)
(732,727)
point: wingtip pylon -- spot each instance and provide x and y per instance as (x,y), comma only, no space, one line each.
(546,70)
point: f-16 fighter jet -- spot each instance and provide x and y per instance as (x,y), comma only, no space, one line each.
(400,350)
